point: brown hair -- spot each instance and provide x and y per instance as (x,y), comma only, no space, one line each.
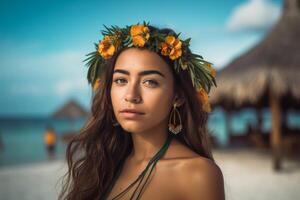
(94,155)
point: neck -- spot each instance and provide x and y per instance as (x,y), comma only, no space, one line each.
(146,144)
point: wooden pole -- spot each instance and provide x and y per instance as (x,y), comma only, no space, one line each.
(276,136)
(228,125)
(284,120)
(259,120)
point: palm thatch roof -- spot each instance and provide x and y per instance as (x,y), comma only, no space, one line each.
(272,66)
(71,110)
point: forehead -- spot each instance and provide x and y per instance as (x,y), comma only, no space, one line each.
(135,60)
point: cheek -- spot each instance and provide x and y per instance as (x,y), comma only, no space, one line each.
(158,105)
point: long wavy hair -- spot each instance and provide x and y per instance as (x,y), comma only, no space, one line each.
(94,155)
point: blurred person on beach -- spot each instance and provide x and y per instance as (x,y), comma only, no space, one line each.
(50,141)
(145,116)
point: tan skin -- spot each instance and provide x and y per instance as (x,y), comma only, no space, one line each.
(180,173)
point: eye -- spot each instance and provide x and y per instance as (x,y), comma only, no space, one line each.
(151,83)
(120,81)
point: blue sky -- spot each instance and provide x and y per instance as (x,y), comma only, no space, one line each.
(43,43)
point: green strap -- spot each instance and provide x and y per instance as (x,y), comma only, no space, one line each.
(138,197)
(140,178)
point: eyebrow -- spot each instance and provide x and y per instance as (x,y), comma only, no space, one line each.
(142,73)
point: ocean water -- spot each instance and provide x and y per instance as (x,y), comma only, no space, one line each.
(23,137)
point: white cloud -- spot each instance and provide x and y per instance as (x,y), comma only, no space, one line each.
(223,48)
(67,87)
(31,60)
(36,73)
(61,88)
(58,63)
(254,15)
(28,89)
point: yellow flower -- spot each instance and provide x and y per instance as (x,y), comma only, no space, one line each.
(203,96)
(96,84)
(140,35)
(171,47)
(212,70)
(106,47)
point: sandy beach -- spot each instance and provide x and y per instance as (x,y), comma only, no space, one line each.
(30,182)
(247,173)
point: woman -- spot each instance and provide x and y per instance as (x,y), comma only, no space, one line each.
(146,138)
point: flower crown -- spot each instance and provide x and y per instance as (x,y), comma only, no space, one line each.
(167,44)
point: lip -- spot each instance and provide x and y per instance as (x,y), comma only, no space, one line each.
(131,113)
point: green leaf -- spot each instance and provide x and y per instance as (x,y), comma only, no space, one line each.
(197,56)
(187,41)
(192,73)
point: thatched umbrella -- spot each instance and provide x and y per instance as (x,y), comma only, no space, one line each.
(268,75)
(70,110)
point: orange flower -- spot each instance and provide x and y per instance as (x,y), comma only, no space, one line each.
(212,70)
(106,48)
(171,47)
(203,96)
(96,84)
(140,35)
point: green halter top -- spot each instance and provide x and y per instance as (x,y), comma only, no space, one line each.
(140,178)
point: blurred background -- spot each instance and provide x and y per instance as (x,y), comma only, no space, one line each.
(45,97)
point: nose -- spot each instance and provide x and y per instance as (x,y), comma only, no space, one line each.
(133,94)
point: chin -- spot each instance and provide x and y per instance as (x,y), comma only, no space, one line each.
(133,127)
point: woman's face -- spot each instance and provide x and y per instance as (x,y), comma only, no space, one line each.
(142,83)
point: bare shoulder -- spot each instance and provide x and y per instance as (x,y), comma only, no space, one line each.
(196,177)
(201,178)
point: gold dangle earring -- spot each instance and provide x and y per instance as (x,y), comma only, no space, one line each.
(173,127)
